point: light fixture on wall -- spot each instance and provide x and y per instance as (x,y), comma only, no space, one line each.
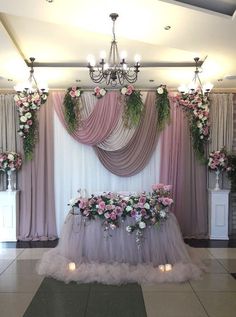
(196,83)
(115,70)
(31,85)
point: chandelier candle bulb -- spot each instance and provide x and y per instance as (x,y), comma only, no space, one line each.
(161,268)
(72,266)
(168,267)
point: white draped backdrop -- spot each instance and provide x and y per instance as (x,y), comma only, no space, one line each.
(77,166)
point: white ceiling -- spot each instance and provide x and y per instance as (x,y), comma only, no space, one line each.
(67,31)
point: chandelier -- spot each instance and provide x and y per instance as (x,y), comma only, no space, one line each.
(196,83)
(115,70)
(31,85)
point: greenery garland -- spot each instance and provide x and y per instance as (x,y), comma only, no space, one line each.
(231,171)
(72,107)
(162,106)
(28,103)
(133,107)
(196,106)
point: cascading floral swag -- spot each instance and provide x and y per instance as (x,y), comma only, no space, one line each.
(133,106)
(28,103)
(162,106)
(72,107)
(196,106)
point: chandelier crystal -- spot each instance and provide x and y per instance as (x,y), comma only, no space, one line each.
(115,70)
(196,83)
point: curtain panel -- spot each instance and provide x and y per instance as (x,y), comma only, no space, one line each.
(180,168)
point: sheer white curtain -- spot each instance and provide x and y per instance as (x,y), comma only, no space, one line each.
(77,166)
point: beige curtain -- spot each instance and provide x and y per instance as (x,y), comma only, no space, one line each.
(221,116)
(9,140)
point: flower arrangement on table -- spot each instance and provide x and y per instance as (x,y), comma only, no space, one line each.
(162,106)
(27,104)
(196,105)
(218,162)
(146,209)
(72,107)
(99,92)
(133,105)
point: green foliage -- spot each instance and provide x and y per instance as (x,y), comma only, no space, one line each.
(30,140)
(163,107)
(133,109)
(71,108)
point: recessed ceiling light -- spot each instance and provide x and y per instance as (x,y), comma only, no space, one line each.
(151,80)
(167,27)
(50,1)
(220,79)
(78,80)
(230,77)
(9,79)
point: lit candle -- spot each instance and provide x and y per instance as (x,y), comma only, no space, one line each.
(161,268)
(72,266)
(168,267)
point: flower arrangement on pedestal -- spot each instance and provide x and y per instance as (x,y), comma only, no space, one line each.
(9,162)
(72,107)
(162,106)
(28,103)
(146,209)
(196,106)
(218,162)
(99,92)
(133,105)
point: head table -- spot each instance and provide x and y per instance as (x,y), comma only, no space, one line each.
(115,257)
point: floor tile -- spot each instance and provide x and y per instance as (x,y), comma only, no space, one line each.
(32,254)
(116,303)
(58,305)
(215,282)
(167,287)
(214,266)
(50,285)
(4,264)
(14,304)
(8,254)
(219,304)
(200,253)
(229,264)
(22,267)
(19,283)
(173,304)
(223,253)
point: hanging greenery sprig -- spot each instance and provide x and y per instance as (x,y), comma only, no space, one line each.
(196,106)
(133,107)
(231,171)
(162,106)
(28,103)
(72,107)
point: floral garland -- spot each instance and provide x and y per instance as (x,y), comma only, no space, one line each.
(196,106)
(231,171)
(99,92)
(28,103)
(145,209)
(10,161)
(162,106)
(133,108)
(72,107)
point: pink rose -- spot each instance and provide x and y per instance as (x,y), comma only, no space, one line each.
(72,93)
(113,216)
(102,205)
(142,199)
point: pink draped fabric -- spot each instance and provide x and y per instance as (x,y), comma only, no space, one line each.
(36,182)
(132,158)
(180,168)
(99,124)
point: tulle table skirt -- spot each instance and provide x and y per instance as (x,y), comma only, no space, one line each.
(115,257)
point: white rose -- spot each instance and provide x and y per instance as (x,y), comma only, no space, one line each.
(160,90)
(20,133)
(162,214)
(200,116)
(128,208)
(199,124)
(146,206)
(16,97)
(10,157)
(23,119)
(102,92)
(33,106)
(21,126)
(28,115)
(128,229)
(142,225)
(124,90)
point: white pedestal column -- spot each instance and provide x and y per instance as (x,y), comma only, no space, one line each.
(218,214)
(9,215)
